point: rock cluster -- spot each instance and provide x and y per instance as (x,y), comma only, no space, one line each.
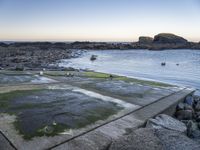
(189,113)
(161,133)
(166,38)
(164,132)
(20,57)
(165,41)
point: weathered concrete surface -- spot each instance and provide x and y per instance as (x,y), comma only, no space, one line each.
(140,102)
(136,119)
(4,144)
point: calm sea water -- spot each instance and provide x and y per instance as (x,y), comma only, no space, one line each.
(145,64)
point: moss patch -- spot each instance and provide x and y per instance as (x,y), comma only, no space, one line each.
(5,98)
(48,112)
(123,78)
(48,130)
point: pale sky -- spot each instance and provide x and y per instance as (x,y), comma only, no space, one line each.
(97,20)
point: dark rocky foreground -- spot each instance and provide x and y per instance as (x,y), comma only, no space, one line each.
(37,55)
(20,56)
(165,132)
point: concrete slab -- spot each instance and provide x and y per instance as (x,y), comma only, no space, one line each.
(129,92)
(4,144)
(93,111)
(60,107)
(121,126)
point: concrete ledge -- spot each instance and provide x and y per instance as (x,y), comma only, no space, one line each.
(5,144)
(101,137)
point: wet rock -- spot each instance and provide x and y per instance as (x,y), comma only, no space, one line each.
(193,130)
(197,116)
(141,139)
(183,106)
(184,115)
(167,38)
(197,106)
(189,100)
(150,139)
(188,107)
(172,140)
(167,122)
(145,40)
(180,106)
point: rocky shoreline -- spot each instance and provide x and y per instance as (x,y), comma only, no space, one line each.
(181,132)
(38,55)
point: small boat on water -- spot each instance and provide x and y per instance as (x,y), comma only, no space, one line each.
(93,57)
(163,64)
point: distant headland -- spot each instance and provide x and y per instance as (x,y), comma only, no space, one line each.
(38,55)
(161,41)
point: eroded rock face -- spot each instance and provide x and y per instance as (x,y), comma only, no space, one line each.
(167,38)
(145,40)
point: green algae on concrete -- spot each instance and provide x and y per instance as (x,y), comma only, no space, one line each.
(123,78)
(49,112)
(6,98)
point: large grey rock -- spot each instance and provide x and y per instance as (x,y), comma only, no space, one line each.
(172,140)
(183,106)
(167,122)
(184,115)
(168,38)
(189,100)
(141,139)
(193,130)
(145,40)
(197,106)
(155,139)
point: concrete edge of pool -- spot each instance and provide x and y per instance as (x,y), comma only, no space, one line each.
(97,136)
(102,136)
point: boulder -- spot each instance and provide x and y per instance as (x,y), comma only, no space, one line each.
(193,130)
(167,38)
(197,106)
(155,139)
(166,122)
(180,106)
(189,100)
(184,114)
(172,140)
(145,40)
(141,139)
(183,106)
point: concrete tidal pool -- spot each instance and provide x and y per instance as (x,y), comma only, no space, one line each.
(42,112)
(52,111)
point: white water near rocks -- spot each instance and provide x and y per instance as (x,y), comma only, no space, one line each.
(182,66)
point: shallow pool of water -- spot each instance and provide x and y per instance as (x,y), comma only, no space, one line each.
(182,66)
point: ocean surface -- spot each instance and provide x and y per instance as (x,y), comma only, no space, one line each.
(182,66)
